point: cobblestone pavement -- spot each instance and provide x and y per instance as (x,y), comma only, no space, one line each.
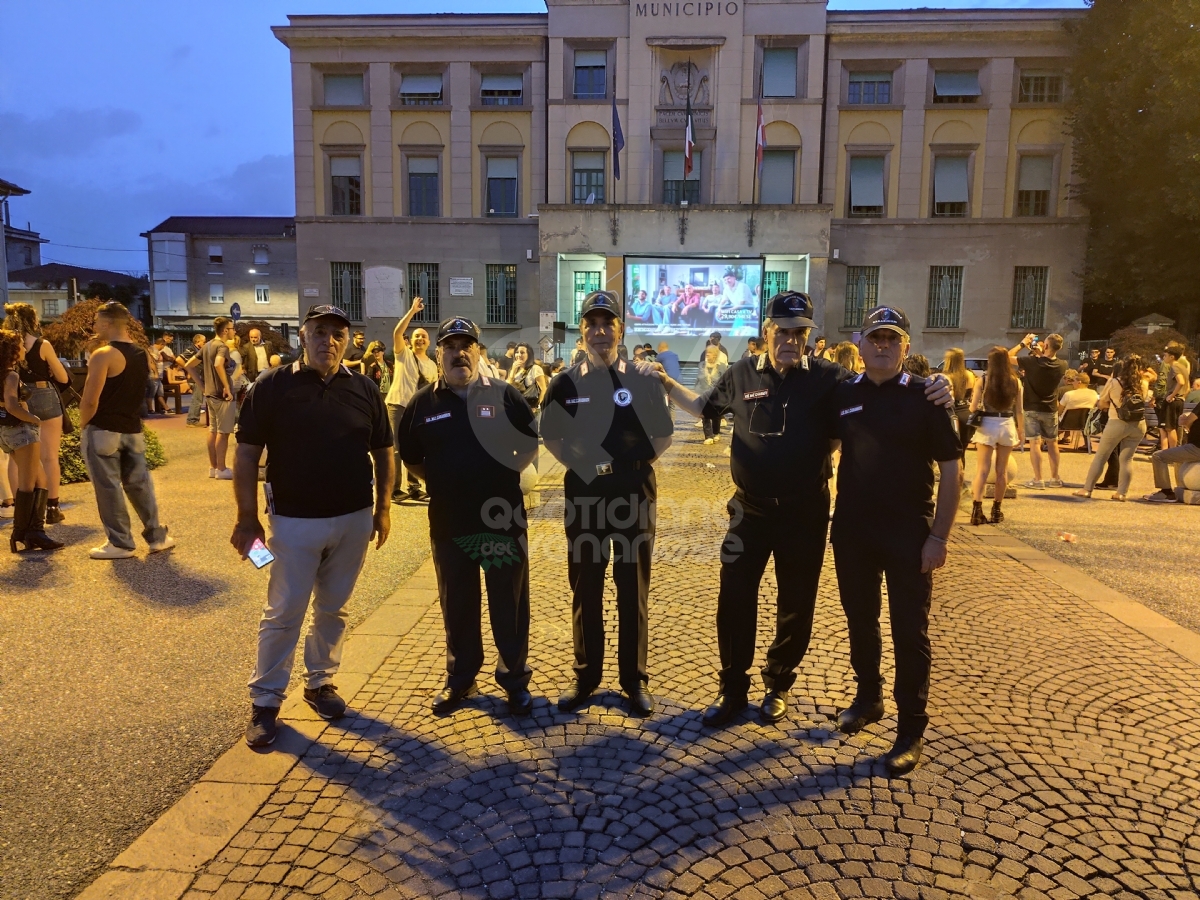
(124,680)
(1063,758)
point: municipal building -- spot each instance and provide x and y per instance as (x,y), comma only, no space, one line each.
(915,158)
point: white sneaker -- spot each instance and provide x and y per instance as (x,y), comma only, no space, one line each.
(709,441)
(212,473)
(165,544)
(108,551)
(223,474)
(7,512)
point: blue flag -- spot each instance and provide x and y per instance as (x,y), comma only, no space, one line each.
(618,140)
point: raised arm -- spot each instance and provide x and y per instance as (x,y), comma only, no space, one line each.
(398,347)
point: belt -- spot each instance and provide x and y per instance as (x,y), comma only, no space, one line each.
(38,384)
(997,415)
(617,465)
(755,500)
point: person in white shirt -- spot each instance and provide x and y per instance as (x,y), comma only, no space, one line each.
(1081,396)
(413,370)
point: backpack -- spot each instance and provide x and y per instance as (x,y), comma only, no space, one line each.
(1132,408)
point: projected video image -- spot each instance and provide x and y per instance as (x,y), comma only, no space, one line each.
(693,297)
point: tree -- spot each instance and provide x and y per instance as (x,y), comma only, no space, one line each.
(272,338)
(1131,341)
(74,328)
(1135,77)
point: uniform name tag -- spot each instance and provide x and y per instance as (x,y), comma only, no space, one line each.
(572,401)
(604,469)
(756,395)
(485,412)
(851,410)
(429,419)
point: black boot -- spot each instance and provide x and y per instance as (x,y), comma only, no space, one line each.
(20,526)
(997,516)
(977,516)
(36,537)
(54,515)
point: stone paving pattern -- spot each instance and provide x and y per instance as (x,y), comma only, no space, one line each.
(1063,759)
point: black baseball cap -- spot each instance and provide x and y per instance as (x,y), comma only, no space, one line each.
(791,309)
(889,317)
(604,301)
(458,325)
(321,310)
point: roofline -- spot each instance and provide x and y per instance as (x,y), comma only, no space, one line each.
(971,16)
(370,28)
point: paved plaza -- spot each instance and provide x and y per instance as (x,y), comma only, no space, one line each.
(1063,758)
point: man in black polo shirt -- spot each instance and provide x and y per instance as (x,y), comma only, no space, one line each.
(780,464)
(1042,372)
(885,523)
(328,492)
(469,436)
(608,423)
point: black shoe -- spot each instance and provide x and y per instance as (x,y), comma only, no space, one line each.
(262,728)
(641,701)
(417,495)
(576,696)
(326,702)
(774,706)
(904,756)
(859,715)
(399,496)
(997,515)
(977,516)
(451,698)
(54,515)
(520,702)
(725,709)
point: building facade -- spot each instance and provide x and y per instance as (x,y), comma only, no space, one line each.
(202,267)
(913,158)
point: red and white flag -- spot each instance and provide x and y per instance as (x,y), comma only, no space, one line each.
(760,140)
(688,138)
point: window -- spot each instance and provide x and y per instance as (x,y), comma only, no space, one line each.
(27,253)
(345,176)
(777,181)
(502,186)
(344,90)
(585,283)
(590,70)
(773,283)
(261,257)
(866,187)
(216,293)
(49,308)
(677,187)
(1034,181)
(423,195)
(945,297)
(862,293)
(346,288)
(956,87)
(262,293)
(588,175)
(214,253)
(1029,297)
(502,295)
(779,72)
(870,87)
(950,186)
(423,283)
(500,90)
(1041,87)
(421,90)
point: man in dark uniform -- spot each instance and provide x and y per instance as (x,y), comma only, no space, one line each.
(469,436)
(780,464)
(607,423)
(886,524)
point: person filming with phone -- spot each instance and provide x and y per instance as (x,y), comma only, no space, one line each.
(330,466)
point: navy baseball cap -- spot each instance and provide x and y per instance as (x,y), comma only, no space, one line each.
(458,325)
(320,311)
(791,309)
(604,301)
(889,317)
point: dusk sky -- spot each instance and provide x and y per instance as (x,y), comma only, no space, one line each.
(118,115)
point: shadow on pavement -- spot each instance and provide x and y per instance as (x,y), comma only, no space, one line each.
(159,578)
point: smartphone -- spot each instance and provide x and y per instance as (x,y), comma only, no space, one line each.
(260,555)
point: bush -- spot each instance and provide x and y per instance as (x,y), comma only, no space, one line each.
(70,458)
(1149,347)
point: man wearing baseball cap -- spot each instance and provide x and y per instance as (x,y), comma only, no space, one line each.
(469,435)
(890,438)
(779,459)
(328,493)
(607,423)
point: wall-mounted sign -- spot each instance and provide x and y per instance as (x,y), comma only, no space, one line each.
(546,322)
(312,292)
(462,287)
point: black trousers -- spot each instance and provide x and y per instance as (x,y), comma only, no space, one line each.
(712,426)
(508,608)
(863,557)
(795,534)
(611,518)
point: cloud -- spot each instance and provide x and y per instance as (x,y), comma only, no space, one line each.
(65,132)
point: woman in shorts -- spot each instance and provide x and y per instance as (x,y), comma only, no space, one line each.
(997,404)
